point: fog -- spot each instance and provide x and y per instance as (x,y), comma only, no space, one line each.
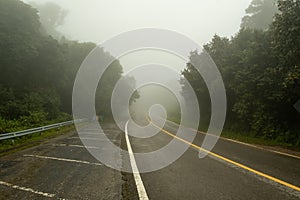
(154,95)
(98,20)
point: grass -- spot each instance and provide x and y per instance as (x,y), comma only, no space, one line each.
(24,142)
(247,138)
(256,140)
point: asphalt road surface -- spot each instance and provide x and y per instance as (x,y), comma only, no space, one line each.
(62,168)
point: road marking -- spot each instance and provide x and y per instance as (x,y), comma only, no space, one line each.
(85,138)
(261,148)
(95,139)
(74,145)
(285,154)
(45,194)
(137,177)
(63,159)
(91,133)
(231,161)
(243,143)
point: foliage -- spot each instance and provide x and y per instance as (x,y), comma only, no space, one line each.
(37,71)
(261,72)
(259,14)
(196,81)
(51,17)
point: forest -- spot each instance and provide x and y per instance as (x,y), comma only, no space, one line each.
(38,67)
(260,67)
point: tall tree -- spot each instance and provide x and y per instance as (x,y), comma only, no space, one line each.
(196,81)
(36,71)
(259,14)
(51,16)
(261,73)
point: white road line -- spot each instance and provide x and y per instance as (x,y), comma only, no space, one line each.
(63,159)
(45,194)
(285,154)
(137,177)
(91,133)
(85,138)
(95,139)
(246,144)
(74,145)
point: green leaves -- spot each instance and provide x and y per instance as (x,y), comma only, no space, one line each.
(261,71)
(37,72)
(259,14)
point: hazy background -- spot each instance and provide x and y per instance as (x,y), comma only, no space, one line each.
(98,20)
(256,52)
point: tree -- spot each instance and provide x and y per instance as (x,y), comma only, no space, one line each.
(38,71)
(222,52)
(285,33)
(259,14)
(196,81)
(261,72)
(19,38)
(51,17)
(105,88)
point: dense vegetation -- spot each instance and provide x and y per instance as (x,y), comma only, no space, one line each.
(259,14)
(38,71)
(260,67)
(261,73)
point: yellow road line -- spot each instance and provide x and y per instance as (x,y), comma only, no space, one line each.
(243,143)
(231,161)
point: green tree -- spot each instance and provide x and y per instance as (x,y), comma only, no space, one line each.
(199,86)
(105,88)
(261,73)
(37,71)
(51,17)
(259,14)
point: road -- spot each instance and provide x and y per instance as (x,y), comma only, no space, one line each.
(63,169)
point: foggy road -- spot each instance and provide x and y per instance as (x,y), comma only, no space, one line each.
(214,177)
(63,169)
(75,75)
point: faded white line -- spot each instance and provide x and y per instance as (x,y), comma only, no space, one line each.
(137,177)
(85,138)
(285,154)
(93,138)
(91,133)
(45,194)
(88,138)
(246,144)
(63,159)
(74,145)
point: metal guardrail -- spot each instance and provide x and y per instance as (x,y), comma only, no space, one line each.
(34,130)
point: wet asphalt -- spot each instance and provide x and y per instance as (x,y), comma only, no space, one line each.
(66,170)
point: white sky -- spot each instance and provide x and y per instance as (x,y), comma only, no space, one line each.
(98,20)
